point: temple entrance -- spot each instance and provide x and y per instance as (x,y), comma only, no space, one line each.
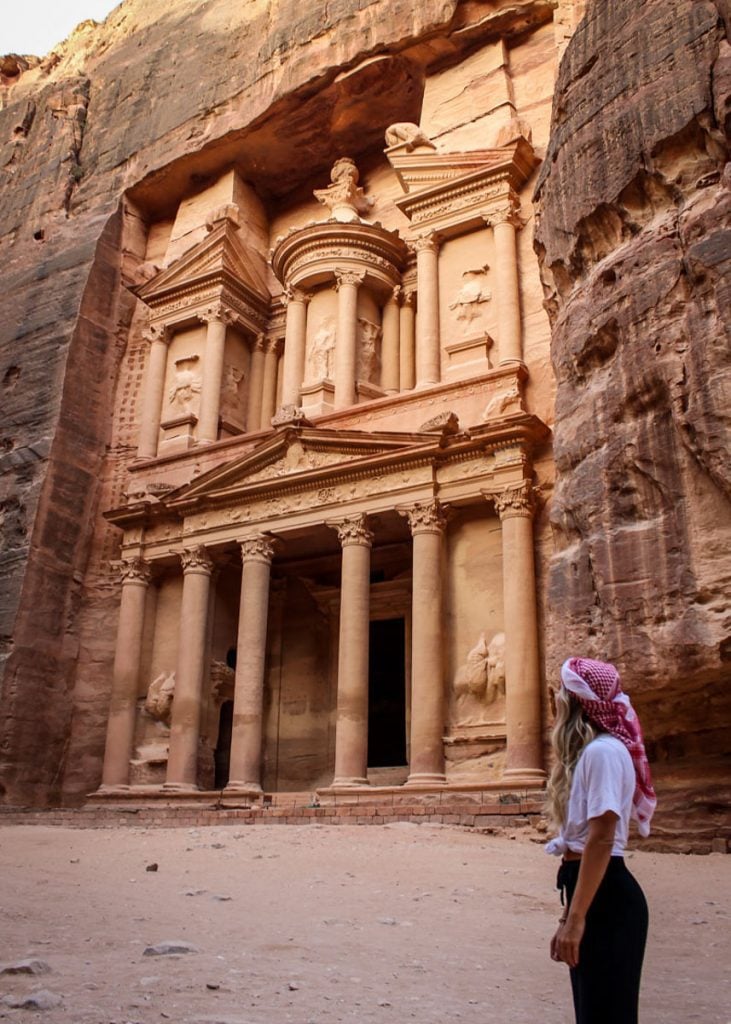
(387,694)
(222,753)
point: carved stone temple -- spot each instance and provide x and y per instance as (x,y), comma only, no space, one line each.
(300,495)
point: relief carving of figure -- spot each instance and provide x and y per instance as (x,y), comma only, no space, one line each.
(470,296)
(344,199)
(369,340)
(480,682)
(410,134)
(321,354)
(186,385)
(159,699)
(231,392)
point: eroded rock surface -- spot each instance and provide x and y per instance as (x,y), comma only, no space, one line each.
(634,235)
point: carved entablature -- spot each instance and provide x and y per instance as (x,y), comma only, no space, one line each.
(452,193)
(315,254)
(216,274)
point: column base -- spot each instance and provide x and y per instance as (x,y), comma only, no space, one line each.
(530,776)
(108,788)
(348,782)
(426,779)
(180,787)
(252,789)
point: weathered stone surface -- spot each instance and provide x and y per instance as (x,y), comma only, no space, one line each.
(634,236)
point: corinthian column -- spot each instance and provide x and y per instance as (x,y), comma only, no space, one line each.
(217,318)
(185,728)
(427,522)
(269,387)
(407,341)
(524,761)
(151,413)
(256,383)
(245,762)
(346,339)
(351,730)
(390,344)
(295,337)
(135,574)
(507,291)
(427,314)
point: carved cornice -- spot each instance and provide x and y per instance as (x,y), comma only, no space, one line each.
(261,548)
(196,560)
(135,571)
(426,517)
(354,530)
(514,502)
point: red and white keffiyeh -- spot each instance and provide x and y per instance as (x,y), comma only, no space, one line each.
(597,686)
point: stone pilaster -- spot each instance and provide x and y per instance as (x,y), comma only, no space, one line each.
(136,575)
(246,740)
(269,386)
(407,340)
(346,340)
(390,367)
(256,384)
(294,345)
(427,522)
(428,357)
(351,730)
(507,292)
(186,713)
(217,318)
(151,412)
(524,760)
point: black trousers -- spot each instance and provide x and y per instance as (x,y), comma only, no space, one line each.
(606,981)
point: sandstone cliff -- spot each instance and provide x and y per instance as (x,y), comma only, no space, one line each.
(634,236)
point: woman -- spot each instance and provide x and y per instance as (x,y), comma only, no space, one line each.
(601,779)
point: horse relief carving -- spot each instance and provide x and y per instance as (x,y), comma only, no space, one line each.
(159,699)
(480,682)
(186,384)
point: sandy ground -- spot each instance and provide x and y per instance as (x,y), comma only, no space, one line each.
(323,924)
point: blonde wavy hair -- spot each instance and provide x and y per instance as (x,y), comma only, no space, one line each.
(571,733)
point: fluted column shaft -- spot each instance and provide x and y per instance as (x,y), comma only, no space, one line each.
(269,386)
(390,369)
(427,522)
(151,412)
(295,340)
(507,292)
(524,758)
(246,738)
(407,342)
(210,403)
(126,673)
(190,671)
(256,384)
(427,315)
(351,730)
(346,341)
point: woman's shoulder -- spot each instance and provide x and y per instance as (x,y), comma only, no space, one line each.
(605,750)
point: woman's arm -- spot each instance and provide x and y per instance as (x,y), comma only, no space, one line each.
(594,860)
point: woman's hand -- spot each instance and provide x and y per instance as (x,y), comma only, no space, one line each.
(565,943)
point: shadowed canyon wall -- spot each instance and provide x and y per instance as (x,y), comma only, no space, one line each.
(634,205)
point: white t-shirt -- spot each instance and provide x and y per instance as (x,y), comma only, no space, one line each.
(604,780)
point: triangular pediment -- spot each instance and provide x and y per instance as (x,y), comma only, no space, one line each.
(292,455)
(220,254)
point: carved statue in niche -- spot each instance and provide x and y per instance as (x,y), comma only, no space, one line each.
(471,296)
(480,682)
(231,392)
(321,354)
(159,699)
(344,199)
(369,339)
(186,385)
(405,132)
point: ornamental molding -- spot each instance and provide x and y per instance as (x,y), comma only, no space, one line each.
(316,251)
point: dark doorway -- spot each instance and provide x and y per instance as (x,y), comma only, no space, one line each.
(387,694)
(222,753)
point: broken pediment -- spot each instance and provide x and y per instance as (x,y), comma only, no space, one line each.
(220,267)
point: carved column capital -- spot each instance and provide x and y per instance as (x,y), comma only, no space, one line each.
(260,343)
(136,571)
(217,312)
(426,517)
(426,243)
(275,345)
(396,296)
(261,548)
(352,277)
(196,559)
(508,212)
(157,332)
(516,501)
(292,294)
(408,297)
(354,530)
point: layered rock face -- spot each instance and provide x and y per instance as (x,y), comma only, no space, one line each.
(634,237)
